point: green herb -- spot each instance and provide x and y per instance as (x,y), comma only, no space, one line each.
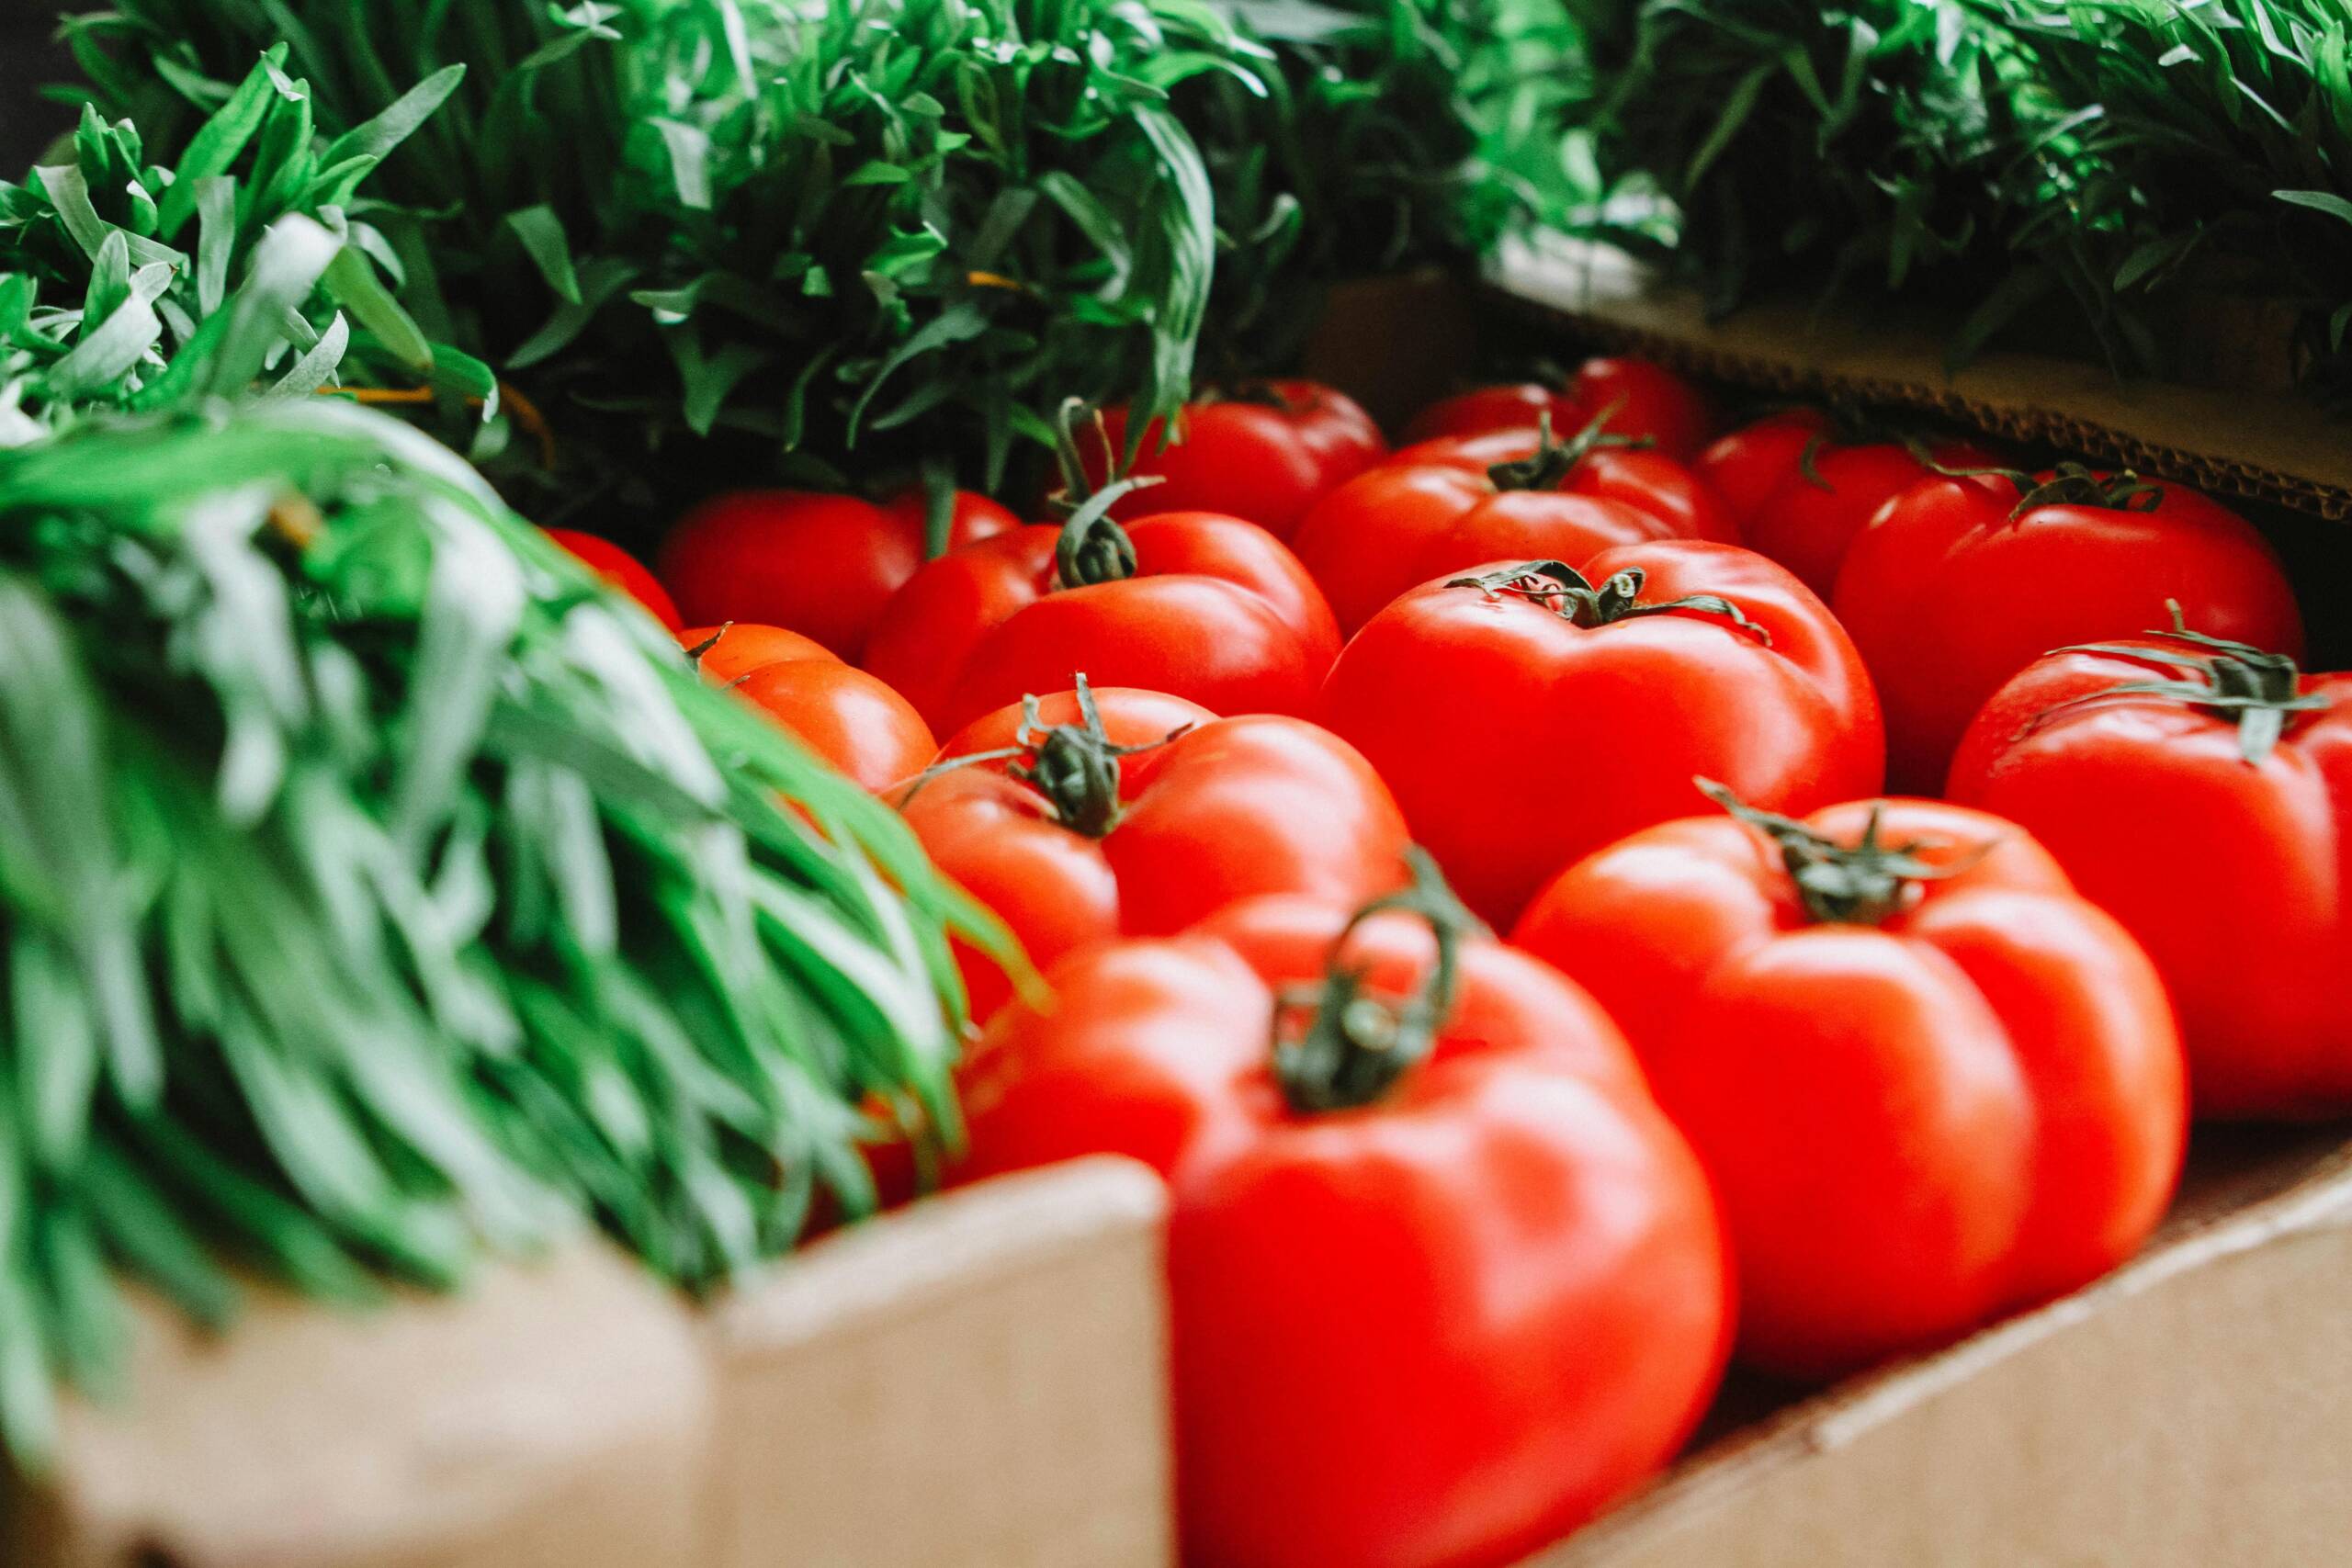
(376,893)
(841,238)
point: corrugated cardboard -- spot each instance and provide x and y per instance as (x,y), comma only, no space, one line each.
(2278,447)
(2185,1412)
(976,1380)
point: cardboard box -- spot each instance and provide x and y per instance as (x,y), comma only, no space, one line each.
(977,1382)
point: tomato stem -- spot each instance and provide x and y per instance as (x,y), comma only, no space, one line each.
(1355,1046)
(1074,766)
(2232,679)
(1093,547)
(1862,883)
(1553,460)
(1577,601)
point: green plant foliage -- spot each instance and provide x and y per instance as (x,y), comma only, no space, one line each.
(841,238)
(376,892)
(2085,170)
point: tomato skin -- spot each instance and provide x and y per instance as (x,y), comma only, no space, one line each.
(1636,477)
(1648,400)
(1947,597)
(1808,527)
(848,717)
(1259,461)
(1401,524)
(1441,1330)
(2236,876)
(1746,465)
(1229,808)
(1974,1106)
(1487,713)
(620,568)
(1219,612)
(822,565)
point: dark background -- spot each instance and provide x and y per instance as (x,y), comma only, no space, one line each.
(28,60)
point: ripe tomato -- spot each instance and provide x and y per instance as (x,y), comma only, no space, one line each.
(1931,1082)
(1444,1282)
(1809,485)
(1118,817)
(1402,523)
(1606,467)
(1264,454)
(1959,583)
(620,568)
(1641,399)
(819,564)
(1206,607)
(1524,717)
(848,717)
(2200,792)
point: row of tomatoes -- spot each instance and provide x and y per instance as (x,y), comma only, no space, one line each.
(1466,1228)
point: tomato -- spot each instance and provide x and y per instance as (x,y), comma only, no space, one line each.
(1932,1083)
(1959,583)
(1444,1282)
(819,564)
(620,568)
(1265,454)
(2200,792)
(1640,398)
(1403,523)
(1524,717)
(1808,486)
(1119,816)
(1606,467)
(848,717)
(1205,607)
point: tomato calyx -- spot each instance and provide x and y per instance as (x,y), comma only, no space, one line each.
(1568,594)
(1864,884)
(1092,547)
(1848,424)
(1553,460)
(1355,1046)
(2237,681)
(2070,484)
(1074,766)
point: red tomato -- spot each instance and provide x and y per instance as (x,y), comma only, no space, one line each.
(1807,487)
(1636,476)
(2220,835)
(846,717)
(620,568)
(1114,821)
(1931,1082)
(1640,398)
(1524,717)
(823,565)
(1959,583)
(1206,607)
(1444,1282)
(1264,455)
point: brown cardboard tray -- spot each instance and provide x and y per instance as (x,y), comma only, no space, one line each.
(977,1382)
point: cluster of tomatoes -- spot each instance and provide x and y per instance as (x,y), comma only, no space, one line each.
(1257,760)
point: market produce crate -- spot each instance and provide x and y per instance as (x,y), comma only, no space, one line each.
(976,1380)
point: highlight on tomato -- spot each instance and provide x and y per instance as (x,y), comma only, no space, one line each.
(1199,605)
(1526,713)
(1444,1282)
(822,565)
(620,568)
(1096,813)
(2199,790)
(1958,583)
(1807,483)
(1932,1083)
(1262,451)
(845,715)
(1636,398)
(1404,522)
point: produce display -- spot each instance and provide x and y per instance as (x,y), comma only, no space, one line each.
(691,618)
